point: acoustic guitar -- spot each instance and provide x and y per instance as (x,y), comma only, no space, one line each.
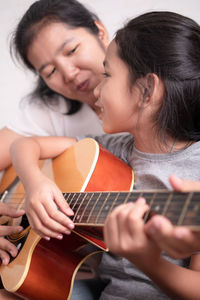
(93,182)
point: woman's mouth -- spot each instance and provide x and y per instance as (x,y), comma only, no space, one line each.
(84,86)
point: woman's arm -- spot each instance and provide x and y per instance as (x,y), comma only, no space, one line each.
(45,205)
(6,246)
(7,136)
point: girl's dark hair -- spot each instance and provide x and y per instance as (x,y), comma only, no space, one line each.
(168,45)
(70,12)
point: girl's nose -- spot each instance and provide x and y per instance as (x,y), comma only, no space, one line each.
(97,91)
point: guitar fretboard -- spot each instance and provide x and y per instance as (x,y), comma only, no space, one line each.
(93,208)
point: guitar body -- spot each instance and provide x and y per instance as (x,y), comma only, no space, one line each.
(45,270)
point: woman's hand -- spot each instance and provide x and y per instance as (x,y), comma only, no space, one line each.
(124,234)
(7,247)
(47,210)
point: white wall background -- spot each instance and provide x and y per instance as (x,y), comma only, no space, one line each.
(16,82)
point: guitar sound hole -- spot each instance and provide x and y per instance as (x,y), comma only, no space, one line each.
(19,240)
(19,244)
(24,222)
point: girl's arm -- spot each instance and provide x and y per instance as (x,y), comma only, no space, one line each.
(179,241)
(124,234)
(176,241)
(45,205)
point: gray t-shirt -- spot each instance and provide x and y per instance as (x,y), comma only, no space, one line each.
(151,172)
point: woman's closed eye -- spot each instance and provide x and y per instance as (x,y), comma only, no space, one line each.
(51,73)
(72,50)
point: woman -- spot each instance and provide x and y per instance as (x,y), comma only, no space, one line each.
(154,97)
(64,44)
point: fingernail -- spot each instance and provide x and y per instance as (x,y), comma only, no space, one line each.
(71,226)
(69,211)
(59,236)
(141,200)
(12,253)
(47,238)
(20,228)
(4,262)
(21,210)
(67,232)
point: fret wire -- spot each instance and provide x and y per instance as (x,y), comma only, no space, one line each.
(108,206)
(118,199)
(113,203)
(87,203)
(167,203)
(150,206)
(66,196)
(74,200)
(79,205)
(93,207)
(71,197)
(127,197)
(3,196)
(101,208)
(130,197)
(111,208)
(78,195)
(184,210)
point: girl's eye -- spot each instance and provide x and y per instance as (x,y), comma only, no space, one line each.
(51,73)
(105,74)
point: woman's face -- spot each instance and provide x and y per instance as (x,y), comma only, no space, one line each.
(69,60)
(116,98)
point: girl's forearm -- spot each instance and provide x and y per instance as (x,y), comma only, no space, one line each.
(25,153)
(52,146)
(176,281)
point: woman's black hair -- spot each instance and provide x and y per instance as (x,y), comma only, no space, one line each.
(70,12)
(168,45)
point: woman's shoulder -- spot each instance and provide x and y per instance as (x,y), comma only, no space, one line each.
(57,104)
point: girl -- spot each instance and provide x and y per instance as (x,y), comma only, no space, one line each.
(150,89)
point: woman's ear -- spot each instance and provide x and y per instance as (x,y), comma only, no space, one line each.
(103,33)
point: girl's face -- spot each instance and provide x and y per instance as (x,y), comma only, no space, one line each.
(116,98)
(69,60)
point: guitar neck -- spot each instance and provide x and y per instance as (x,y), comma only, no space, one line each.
(93,208)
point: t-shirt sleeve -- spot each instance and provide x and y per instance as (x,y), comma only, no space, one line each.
(35,119)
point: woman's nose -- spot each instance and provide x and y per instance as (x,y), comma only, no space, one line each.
(68,71)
